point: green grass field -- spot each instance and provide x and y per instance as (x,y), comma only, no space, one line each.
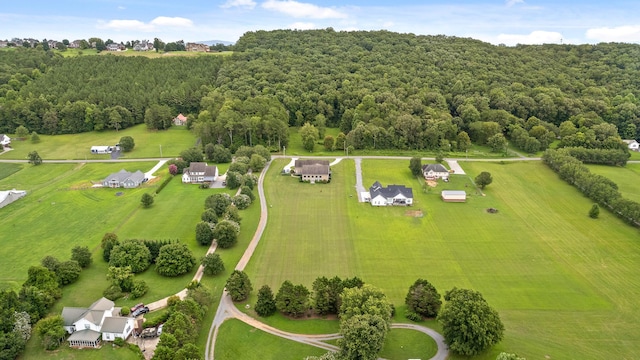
(564,284)
(627,178)
(78,146)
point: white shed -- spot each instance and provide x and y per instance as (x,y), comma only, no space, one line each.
(101,149)
(453,195)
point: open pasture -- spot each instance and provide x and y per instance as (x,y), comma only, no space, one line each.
(149,144)
(627,178)
(563,283)
(58,213)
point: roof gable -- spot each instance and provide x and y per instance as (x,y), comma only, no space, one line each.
(115,324)
(434,168)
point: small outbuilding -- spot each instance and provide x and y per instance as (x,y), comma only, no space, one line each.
(633,145)
(101,149)
(9,196)
(454,195)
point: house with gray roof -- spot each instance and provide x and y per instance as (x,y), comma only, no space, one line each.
(392,195)
(435,171)
(124,179)
(313,170)
(199,172)
(100,321)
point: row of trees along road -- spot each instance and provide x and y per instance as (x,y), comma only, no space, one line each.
(382,89)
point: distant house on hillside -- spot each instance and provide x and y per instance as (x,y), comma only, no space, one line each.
(144,45)
(124,179)
(115,47)
(392,195)
(313,170)
(199,172)
(632,144)
(453,196)
(100,321)
(9,196)
(5,140)
(180,120)
(435,171)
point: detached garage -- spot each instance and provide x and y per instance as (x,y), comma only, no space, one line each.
(454,195)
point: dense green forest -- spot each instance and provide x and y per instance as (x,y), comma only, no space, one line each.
(382,89)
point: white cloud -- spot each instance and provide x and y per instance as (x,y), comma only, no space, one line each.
(154,25)
(510,3)
(248,4)
(627,33)
(121,7)
(302,26)
(171,21)
(535,37)
(127,25)
(303,10)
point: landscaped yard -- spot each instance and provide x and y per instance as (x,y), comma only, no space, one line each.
(563,283)
(149,144)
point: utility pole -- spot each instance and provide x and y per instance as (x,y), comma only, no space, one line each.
(160,150)
(284,151)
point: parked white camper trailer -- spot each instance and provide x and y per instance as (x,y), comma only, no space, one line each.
(101,149)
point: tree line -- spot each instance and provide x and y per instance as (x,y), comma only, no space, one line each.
(383,90)
(596,187)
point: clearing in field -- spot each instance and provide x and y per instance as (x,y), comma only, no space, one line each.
(562,282)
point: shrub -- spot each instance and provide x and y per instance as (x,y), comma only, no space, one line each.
(174,260)
(113,292)
(163,184)
(594,212)
(139,288)
(119,342)
(242,201)
(82,255)
(213,264)
(125,311)
(413,316)
(146,200)
(245,190)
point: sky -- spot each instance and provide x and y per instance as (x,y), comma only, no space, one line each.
(506,22)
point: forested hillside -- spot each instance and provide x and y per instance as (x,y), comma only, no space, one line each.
(101,92)
(383,89)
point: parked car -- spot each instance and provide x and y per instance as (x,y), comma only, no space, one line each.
(138,306)
(159,332)
(149,333)
(140,311)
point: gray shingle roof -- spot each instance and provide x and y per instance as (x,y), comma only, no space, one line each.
(85,335)
(114,324)
(301,163)
(390,191)
(316,169)
(434,168)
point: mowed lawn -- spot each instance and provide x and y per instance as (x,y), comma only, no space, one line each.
(627,178)
(565,285)
(148,144)
(59,212)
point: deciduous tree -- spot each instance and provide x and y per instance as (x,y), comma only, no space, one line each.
(363,336)
(423,299)
(239,286)
(82,255)
(483,179)
(226,233)
(34,158)
(469,324)
(204,234)
(131,253)
(309,135)
(146,200)
(109,240)
(51,331)
(127,143)
(213,264)
(174,260)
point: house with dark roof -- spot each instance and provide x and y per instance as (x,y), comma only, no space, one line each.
(392,195)
(313,170)
(435,171)
(199,172)
(124,179)
(100,321)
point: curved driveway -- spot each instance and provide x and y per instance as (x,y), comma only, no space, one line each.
(227,310)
